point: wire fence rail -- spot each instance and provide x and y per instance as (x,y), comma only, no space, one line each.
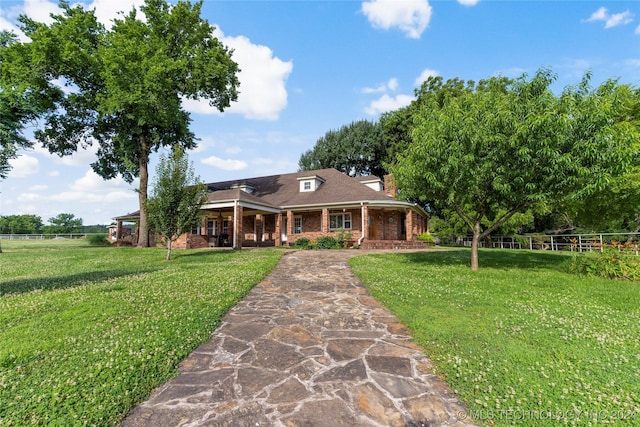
(565,242)
(59,236)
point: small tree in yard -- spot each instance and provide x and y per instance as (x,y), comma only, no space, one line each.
(491,150)
(176,198)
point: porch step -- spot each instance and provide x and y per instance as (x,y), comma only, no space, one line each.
(393,244)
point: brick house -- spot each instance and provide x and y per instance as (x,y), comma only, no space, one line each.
(279,209)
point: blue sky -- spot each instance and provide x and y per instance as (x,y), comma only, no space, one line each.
(311,66)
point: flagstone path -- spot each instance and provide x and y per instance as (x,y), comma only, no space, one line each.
(307,347)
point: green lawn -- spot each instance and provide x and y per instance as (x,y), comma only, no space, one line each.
(521,341)
(88,332)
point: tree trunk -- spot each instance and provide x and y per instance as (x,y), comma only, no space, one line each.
(143,235)
(168,249)
(475,242)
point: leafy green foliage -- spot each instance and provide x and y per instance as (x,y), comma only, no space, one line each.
(20,224)
(327,242)
(356,149)
(63,223)
(98,239)
(491,150)
(618,261)
(520,335)
(106,326)
(302,243)
(426,237)
(127,83)
(343,237)
(174,206)
(20,104)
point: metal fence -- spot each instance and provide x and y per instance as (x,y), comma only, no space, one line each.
(564,242)
(45,236)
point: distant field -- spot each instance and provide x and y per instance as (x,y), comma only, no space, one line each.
(521,341)
(88,332)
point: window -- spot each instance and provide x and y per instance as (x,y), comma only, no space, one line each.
(307,185)
(196,230)
(225,227)
(297,225)
(212,228)
(340,221)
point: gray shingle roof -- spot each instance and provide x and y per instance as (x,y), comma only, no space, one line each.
(284,190)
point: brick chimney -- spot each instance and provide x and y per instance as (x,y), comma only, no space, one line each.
(390,188)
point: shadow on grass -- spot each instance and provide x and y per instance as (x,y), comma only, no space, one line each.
(490,258)
(21,286)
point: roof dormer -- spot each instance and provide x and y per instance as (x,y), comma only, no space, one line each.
(310,183)
(373,182)
(244,187)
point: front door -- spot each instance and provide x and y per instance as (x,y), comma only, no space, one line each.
(373,227)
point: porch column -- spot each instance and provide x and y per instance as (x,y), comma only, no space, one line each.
(364,212)
(365,222)
(257,227)
(409,225)
(237,226)
(289,225)
(278,229)
(324,225)
(119,231)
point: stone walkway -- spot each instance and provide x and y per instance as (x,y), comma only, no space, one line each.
(307,347)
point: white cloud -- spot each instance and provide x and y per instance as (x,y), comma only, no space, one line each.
(23,166)
(388,103)
(602,14)
(619,19)
(225,164)
(392,84)
(426,73)
(54,173)
(38,188)
(28,197)
(263,94)
(637,31)
(90,188)
(378,89)
(204,144)
(92,182)
(468,2)
(598,15)
(107,10)
(82,157)
(41,10)
(410,16)
(8,26)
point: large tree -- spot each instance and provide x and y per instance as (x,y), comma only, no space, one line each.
(176,198)
(64,223)
(20,104)
(125,84)
(356,149)
(490,150)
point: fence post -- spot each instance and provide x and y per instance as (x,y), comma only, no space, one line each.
(580,243)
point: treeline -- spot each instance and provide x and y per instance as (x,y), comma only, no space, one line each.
(63,223)
(509,154)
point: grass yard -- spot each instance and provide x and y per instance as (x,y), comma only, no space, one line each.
(87,332)
(521,341)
